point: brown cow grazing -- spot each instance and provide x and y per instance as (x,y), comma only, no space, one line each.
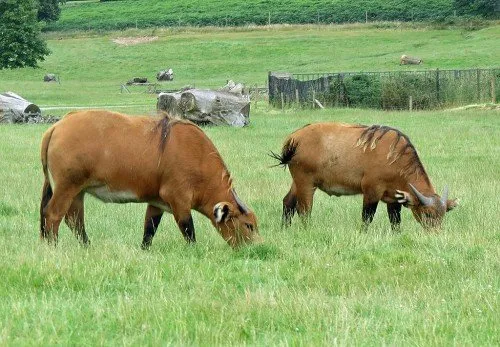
(377,161)
(169,164)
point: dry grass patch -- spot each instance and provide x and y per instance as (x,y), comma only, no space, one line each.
(129,41)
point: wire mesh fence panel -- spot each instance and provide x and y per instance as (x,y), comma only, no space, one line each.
(416,90)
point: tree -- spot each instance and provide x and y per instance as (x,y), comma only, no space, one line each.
(21,44)
(484,8)
(49,10)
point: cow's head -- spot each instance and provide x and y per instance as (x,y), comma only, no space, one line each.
(236,223)
(427,210)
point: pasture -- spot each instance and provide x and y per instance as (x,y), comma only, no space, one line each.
(324,284)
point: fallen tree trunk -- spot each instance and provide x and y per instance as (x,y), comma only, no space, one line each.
(207,107)
(15,109)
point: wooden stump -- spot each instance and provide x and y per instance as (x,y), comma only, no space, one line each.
(165,75)
(207,107)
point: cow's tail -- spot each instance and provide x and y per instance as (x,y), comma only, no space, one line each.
(287,152)
(47,189)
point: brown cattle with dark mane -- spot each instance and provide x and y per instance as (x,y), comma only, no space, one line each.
(377,161)
(167,163)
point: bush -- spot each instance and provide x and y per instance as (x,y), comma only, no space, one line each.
(396,92)
(356,91)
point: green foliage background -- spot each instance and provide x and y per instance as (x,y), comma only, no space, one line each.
(155,13)
(21,44)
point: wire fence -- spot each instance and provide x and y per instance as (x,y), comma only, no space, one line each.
(414,90)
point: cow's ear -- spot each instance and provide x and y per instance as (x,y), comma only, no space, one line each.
(223,211)
(404,198)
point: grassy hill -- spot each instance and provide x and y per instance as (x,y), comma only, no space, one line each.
(92,67)
(93,15)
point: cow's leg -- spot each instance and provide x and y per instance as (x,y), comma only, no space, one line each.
(75,219)
(289,206)
(371,197)
(180,203)
(181,209)
(56,209)
(394,212)
(369,209)
(186,225)
(305,194)
(151,222)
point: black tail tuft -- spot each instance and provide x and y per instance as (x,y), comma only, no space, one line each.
(287,153)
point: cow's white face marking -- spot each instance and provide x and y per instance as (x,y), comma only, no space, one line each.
(220,212)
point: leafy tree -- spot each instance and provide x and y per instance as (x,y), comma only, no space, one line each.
(484,8)
(21,44)
(49,10)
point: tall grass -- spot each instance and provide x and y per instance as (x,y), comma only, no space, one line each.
(318,285)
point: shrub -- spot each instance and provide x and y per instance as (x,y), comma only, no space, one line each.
(397,89)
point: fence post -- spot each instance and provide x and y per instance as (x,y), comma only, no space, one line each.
(493,92)
(297,96)
(437,85)
(314,97)
(271,94)
(282,101)
(478,78)
(411,103)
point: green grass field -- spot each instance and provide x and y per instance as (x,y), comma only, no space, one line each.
(92,67)
(327,284)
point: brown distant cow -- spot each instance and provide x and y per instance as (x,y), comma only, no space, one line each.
(377,161)
(169,164)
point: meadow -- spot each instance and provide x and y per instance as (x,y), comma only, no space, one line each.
(324,284)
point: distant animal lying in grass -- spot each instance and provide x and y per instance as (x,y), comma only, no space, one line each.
(407,60)
(377,161)
(169,164)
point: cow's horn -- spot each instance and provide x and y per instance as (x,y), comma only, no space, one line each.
(424,200)
(241,206)
(444,197)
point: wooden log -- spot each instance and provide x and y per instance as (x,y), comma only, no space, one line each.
(136,80)
(15,109)
(206,107)
(320,105)
(50,77)
(232,87)
(165,75)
